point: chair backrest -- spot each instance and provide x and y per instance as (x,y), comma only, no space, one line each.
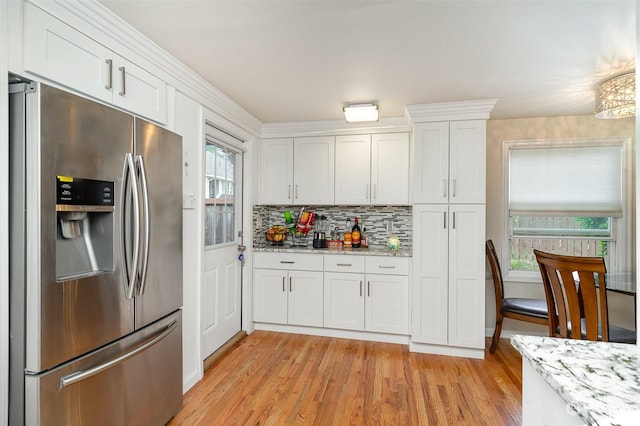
(496,273)
(575,288)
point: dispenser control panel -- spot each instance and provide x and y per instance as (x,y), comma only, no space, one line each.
(84,192)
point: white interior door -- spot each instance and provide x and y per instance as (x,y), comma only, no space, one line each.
(222,281)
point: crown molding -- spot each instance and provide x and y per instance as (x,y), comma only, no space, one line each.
(333,128)
(97,22)
(445,111)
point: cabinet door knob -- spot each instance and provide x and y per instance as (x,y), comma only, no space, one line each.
(124,83)
(110,84)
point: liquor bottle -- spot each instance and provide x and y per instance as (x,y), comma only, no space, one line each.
(355,235)
(364,243)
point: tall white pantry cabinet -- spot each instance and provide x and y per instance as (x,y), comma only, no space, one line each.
(448,276)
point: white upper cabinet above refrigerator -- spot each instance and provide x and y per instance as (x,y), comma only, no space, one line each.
(60,53)
(450,162)
(372,169)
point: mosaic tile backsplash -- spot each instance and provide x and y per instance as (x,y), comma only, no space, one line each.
(377,219)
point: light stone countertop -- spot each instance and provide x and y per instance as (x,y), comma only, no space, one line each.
(598,380)
(370,251)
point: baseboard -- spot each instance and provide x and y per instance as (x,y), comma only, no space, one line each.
(212,359)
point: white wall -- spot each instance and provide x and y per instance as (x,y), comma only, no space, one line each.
(188,123)
(584,126)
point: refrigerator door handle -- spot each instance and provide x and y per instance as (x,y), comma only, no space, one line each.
(145,224)
(130,181)
(85,374)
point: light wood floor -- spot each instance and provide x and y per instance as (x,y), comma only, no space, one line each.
(287,379)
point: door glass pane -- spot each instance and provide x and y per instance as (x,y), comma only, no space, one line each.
(220,187)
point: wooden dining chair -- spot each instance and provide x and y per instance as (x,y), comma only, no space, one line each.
(521,309)
(576,291)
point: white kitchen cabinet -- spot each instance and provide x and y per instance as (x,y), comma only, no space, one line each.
(450,162)
(58,52)
(448,284)
(372,169)
(286,295)
(313,170)
(367,294)
(353,169)
(276,171)
(297,171)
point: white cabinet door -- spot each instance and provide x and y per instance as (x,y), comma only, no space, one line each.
(353,169)
(387,304)
(305,298)
(270,296)
(276,171)
(344,300)
(468,164)
(467,276)
(137,90)
(430,274)
(313,170)
(389,168)
(431,163)
(58,52)
(448,286)
(450,162)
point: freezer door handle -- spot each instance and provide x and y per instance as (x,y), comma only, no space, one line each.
(142,175)
(130,181)
(85,374)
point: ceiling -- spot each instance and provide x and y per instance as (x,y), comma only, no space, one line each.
(290,61)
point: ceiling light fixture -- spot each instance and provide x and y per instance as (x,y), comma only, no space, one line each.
(616,97)
(360,112)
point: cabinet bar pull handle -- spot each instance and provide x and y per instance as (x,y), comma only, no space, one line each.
(343,264)
(360,288)
(283,289)
(387,267)
(110,85)
(289,262)
(375,191)
(455,185)
(290,278)
(454,220)
(366,193)
(444,216)
(289,192)
(368,288)
(124,86)
(296,192)
(444,188)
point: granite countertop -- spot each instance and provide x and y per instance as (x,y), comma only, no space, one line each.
(370,251)
(598,380)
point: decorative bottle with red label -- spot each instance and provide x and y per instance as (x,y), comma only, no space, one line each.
(355,235)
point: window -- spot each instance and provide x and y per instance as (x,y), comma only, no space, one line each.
(220,185)
(566,197)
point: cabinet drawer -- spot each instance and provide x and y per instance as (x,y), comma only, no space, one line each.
(387,265)
(342,263)
(292,261)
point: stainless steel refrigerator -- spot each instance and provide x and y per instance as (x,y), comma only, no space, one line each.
(95,263)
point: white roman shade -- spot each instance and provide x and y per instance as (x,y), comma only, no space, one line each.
(565,180)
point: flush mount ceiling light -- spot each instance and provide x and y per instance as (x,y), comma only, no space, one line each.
(616,97)
(360,112)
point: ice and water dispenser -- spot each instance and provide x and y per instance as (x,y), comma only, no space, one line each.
(84,240)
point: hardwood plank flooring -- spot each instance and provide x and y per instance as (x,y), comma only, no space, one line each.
(289,379)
